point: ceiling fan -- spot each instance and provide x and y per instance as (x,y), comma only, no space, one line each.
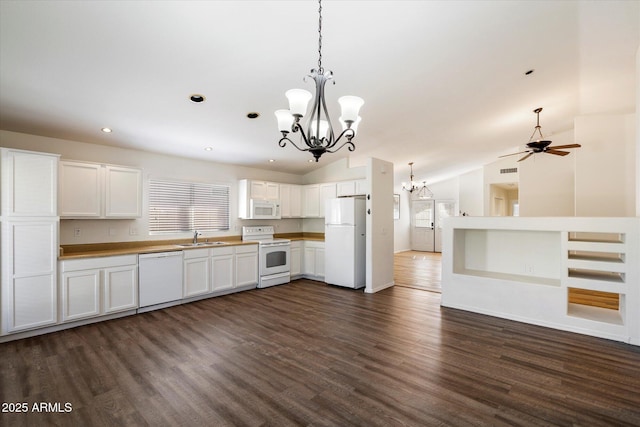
(542,145)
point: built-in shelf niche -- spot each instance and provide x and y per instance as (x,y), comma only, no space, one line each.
(533,256)
(595,237)
(597,256)
(596,276)
(597,314)
(601,299)
(605,276)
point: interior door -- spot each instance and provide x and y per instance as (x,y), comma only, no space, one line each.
(422,225)
(444,209)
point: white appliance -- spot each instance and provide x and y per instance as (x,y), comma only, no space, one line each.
(274,255)
(263,209)
(159,279)
(345,242)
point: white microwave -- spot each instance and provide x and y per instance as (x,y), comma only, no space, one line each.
(263,209)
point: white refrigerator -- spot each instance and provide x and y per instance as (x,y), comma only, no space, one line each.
(345,242)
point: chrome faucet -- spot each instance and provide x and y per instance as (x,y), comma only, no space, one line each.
(195,236)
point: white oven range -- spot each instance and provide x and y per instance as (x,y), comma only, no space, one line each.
(273,255)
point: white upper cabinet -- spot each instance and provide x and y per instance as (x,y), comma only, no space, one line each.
(262,190)
(80,189)
(89,190)
(327,191)
(291,200)
(356,187)
(311,201)
(30,182)
(314,197)
(123,192)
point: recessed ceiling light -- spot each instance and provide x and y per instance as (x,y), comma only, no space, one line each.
(310,160)
(528,72)
(271,160)
(106,130)
(197,98)
(253,115)
(208,148)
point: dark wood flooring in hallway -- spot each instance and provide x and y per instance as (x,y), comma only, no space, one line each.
(308,354)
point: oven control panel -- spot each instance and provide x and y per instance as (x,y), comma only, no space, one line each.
(251,232)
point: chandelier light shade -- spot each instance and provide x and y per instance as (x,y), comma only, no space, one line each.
(421,190)
(319,137)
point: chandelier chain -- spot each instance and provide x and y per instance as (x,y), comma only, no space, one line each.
(320,70)
(319,137)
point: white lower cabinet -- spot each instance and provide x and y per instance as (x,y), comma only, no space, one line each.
(80,294)
(28,283)
(313,260)
(120,289)
(98,286)
(246,265)
(224,268)
(222,277)
(197,276)
(295,266)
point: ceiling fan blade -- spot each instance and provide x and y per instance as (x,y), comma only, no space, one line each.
(526,157)
(513,154)
(565,146)
(557,152)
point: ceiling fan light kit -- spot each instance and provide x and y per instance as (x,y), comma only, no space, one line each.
(542,145)
(319,137)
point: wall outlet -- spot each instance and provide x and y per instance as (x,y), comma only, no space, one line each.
(76,232)
(112,231)
(133,231)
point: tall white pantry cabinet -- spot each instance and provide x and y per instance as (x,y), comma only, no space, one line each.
(29,225)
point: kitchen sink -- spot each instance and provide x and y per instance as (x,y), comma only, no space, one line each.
(199,244)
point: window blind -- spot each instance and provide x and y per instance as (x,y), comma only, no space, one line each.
(177,206)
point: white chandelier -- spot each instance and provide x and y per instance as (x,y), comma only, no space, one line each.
(319,136)
(422,191)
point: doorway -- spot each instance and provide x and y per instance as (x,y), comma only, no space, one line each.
(422,225)
(504,199)
(426,223)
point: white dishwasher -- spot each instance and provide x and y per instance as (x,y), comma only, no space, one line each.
(159,280)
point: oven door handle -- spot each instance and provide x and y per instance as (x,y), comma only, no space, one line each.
(273,245)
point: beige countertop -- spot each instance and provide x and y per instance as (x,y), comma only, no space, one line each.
(91,250)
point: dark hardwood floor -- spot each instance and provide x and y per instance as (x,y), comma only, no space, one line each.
(311,354)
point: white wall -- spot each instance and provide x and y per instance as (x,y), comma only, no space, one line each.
(545,181)
(340,170)
(638,132)
(446,190)
(471,196)
(402,226)
(443,190)
(379,226)
(546,186)
(491,175)
(153,165)
(605,169)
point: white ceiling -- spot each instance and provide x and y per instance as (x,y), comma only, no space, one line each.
(443,81)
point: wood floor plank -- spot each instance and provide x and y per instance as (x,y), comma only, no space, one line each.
(311,354)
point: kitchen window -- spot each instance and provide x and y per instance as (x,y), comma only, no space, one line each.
(178,206)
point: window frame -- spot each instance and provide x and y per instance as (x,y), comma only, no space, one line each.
(185,206)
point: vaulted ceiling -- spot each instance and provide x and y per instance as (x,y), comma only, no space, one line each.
(444,82)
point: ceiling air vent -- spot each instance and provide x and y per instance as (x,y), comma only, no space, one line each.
(509,170)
